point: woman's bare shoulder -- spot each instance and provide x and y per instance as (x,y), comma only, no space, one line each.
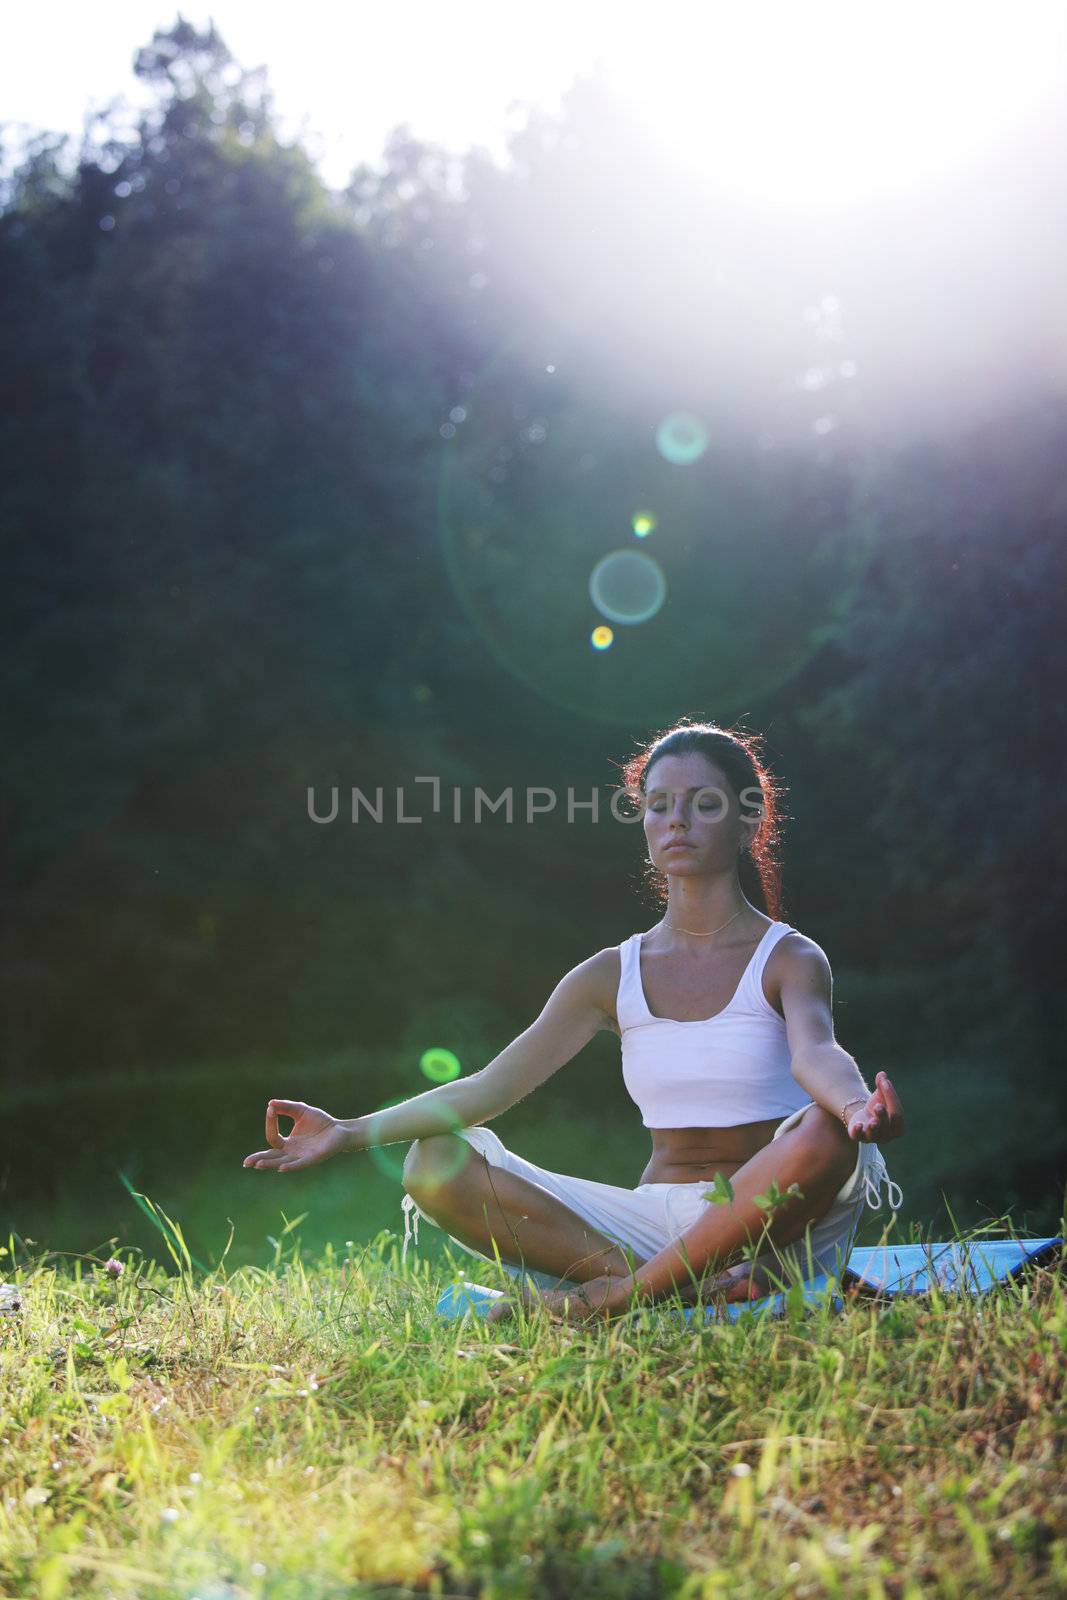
(605,970)
(793,955)
(795,948)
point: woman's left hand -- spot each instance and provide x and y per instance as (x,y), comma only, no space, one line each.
(881,1119)
(597,1299)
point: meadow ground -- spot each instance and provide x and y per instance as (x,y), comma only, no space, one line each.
(311,1428)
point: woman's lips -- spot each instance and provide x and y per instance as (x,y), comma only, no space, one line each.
(678,844)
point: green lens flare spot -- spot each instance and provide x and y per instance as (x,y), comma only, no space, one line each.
(643,524)
(601,637)
(440,1066)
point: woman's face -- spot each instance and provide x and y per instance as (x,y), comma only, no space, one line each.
(692,819)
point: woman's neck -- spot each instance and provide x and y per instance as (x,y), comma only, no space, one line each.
(705,911)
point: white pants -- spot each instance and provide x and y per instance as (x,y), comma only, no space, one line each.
(648,1218)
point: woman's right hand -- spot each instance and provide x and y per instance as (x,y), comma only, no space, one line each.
(316,1136)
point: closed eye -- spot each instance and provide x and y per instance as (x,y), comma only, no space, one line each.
(708,803)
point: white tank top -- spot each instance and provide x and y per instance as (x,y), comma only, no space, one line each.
(725,1070)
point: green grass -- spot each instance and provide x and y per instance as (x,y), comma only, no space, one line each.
(309,1427)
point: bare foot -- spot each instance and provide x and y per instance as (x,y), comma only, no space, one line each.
(745,1289)
(741,1283)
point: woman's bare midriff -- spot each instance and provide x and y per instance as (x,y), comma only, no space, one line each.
(695,1155)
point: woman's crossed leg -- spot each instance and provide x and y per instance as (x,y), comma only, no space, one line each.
(490,1209)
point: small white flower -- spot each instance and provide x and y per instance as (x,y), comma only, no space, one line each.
(36,1496)
(258,1570)
(740,1469)
(195,1477)
(170,1514)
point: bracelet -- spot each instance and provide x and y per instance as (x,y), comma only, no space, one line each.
(848,1103)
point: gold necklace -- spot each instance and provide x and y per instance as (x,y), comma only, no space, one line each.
(705,935)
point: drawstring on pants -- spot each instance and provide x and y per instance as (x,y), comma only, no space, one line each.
(411,1224)
(881,1175)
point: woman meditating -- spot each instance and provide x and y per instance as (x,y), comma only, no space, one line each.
(724,1013)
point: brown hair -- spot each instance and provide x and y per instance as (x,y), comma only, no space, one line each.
(738,754)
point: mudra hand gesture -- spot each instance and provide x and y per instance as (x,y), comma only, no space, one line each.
(316,1136)
(878,1120)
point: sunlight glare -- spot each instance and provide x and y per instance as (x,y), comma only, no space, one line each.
(830,103)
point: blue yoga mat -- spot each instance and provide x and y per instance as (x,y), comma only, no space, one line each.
(970,1267)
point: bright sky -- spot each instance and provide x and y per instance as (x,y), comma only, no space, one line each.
(819,102)
(353,71)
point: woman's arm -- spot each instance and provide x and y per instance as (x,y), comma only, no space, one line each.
(571,1015)
(819,1064)
(463,1103)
